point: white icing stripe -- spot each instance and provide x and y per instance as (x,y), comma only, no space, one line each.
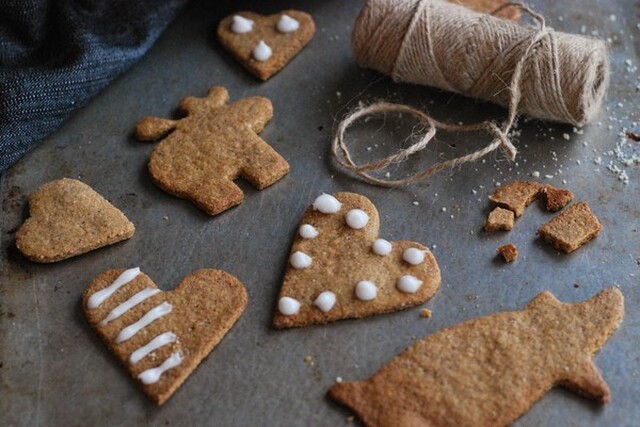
(152,375)
(155,313)
(99,297)
(159,341)
(129,304)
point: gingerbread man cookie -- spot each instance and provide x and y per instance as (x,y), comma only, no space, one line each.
(161,337)
(202,154)
(339,268)
(490,370)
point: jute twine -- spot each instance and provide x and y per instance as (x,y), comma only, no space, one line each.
(529,69)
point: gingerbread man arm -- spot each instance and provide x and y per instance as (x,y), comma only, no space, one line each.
(154,128)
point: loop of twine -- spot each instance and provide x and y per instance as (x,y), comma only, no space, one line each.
(527,47)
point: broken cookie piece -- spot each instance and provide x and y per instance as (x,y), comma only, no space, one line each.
(509,252)
(516,196)
(555,198)
(499,219)
(572,228)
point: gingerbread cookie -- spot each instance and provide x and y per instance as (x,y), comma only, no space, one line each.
(490,370)
(202,154)
(68,218)
(265,44)
(555,198)
(571,228)
(161,337)
(340,269)
(516,196)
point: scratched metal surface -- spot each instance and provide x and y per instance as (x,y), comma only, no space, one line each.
(55,371)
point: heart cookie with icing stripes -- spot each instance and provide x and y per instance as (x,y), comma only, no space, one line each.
(339,268)
(265,44)
(161,337)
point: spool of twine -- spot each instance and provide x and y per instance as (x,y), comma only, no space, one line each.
(530,69)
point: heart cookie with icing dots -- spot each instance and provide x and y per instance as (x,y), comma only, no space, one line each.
(340,269)
(161,337)
(68,218)
(265,44)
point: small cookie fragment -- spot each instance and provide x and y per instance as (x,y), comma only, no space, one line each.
(516,196)
(509,252)
(68,218)
(201,155)
(426,313)
(488,371)
(161,337)
(555,198)
(265,44)
(348,272)
(571,228)
(499,219)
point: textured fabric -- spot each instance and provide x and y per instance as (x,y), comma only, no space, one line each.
(56,55)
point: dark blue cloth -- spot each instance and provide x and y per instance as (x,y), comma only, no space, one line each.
(56,54)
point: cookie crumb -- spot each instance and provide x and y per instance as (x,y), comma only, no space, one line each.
(425,312)
(509,252)
(338,379)
(499,219)
(309,360)
(166,218)
(632,136)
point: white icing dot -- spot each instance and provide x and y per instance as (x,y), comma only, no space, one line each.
(241,25)
(308,231)
(382,247)
(366,290)
(261,52)
(287,24)
(409,284)
(327,204)
(325,301)
(300,260)
(413,256)
(357,219)
(288,306)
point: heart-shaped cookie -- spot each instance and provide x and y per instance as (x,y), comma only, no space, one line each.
(161,337)
(68,218)
(265,44)
(340,269)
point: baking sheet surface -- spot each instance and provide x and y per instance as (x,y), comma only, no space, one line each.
(55,371)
